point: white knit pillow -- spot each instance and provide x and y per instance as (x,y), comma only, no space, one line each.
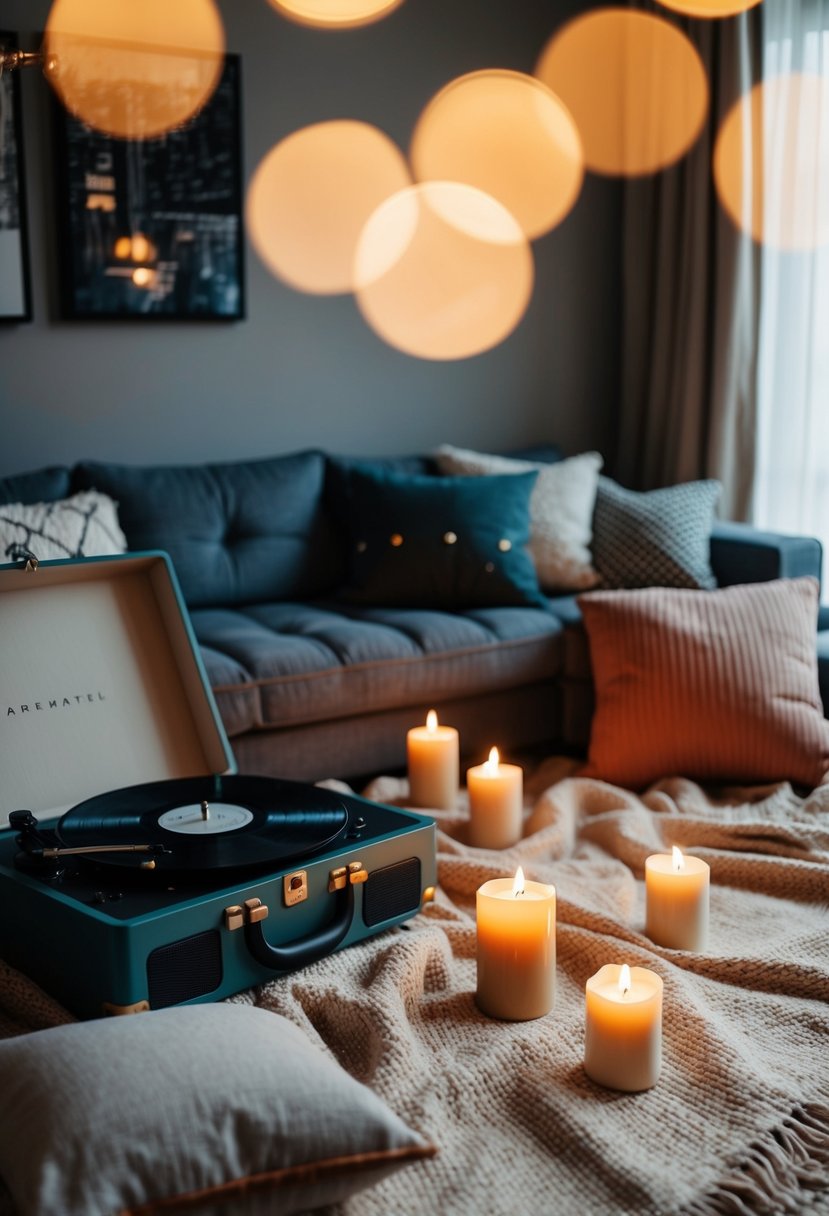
(85,525)
(561,510)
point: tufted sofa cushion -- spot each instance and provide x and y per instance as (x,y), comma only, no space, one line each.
(279,665)
(42,485)
(238,533)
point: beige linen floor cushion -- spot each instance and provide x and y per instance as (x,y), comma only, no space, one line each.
(204,1108)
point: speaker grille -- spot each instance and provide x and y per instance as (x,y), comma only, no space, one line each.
(393,891)
(185,969)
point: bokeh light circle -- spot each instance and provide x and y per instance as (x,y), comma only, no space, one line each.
(135,248)
(635,86)
(134,69)
(780,128)
(340,14)
(709,8)
(443,271)
(312,194)
(507,134)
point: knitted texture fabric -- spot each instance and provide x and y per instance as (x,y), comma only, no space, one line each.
(85,525)
(738,1122)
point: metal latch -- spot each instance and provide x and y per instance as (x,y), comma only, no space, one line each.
(252,911)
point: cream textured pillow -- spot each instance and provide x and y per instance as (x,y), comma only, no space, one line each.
(85,525)
(196,1109)
(561,510)
(715,685)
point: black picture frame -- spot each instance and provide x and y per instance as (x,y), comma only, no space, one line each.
(181,192)
(15,282)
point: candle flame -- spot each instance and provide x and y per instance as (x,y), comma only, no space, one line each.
(491,765)
(678,859)
(431,721)
(624,979)
(518,883)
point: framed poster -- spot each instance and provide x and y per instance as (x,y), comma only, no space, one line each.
(152,228)
(15,295)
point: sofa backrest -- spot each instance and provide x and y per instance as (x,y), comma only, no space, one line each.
(42,485)
(238,533)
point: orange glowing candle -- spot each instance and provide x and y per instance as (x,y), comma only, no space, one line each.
(432,754)
(516,948)
(676,900)
(623,1027)
(496,803)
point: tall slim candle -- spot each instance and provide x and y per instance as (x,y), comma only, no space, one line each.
(432,754)
(496,803)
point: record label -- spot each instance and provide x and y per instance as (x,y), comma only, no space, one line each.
(205,818)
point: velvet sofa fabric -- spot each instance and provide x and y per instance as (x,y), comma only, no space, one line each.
(309,685)
(275,665)
(742,554)
(239,533)
(41,485)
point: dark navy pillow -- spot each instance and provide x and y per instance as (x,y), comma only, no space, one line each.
(238,533)
(42,485)
(440,542)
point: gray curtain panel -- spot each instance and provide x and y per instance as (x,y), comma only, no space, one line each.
(690,290)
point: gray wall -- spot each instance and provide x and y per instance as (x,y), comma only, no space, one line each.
(303,370)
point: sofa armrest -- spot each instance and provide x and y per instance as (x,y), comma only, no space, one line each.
(743,554)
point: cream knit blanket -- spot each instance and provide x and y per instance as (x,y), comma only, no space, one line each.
(739,1120)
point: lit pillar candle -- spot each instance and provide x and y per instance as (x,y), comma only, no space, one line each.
(516,948)
(496,803)
(432,755)
(676,900)
(623,1027)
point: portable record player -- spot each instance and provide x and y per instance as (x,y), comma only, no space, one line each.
(138,870)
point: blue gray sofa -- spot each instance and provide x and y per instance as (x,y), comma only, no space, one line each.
(310,685)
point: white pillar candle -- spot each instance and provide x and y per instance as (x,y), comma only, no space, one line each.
(623,1027)
(676,900)
(516,948)
(496,803)
(432,755)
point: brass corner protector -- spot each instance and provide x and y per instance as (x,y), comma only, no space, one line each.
(119,1010)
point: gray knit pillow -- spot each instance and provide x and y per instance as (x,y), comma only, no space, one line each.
(656,539)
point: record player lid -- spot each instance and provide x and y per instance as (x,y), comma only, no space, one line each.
(101,683)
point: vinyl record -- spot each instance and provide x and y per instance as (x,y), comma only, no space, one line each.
(207,823)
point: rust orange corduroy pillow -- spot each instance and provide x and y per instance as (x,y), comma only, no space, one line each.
(718,685)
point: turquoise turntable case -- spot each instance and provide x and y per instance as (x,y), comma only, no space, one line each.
(102,689)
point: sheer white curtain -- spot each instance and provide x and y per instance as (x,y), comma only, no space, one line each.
(791,491)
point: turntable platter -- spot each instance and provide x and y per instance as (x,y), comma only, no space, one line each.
(208,822)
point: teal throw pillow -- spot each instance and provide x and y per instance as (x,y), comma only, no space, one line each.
(440,542)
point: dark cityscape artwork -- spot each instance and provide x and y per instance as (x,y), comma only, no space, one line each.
(14,252)
(152,228)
